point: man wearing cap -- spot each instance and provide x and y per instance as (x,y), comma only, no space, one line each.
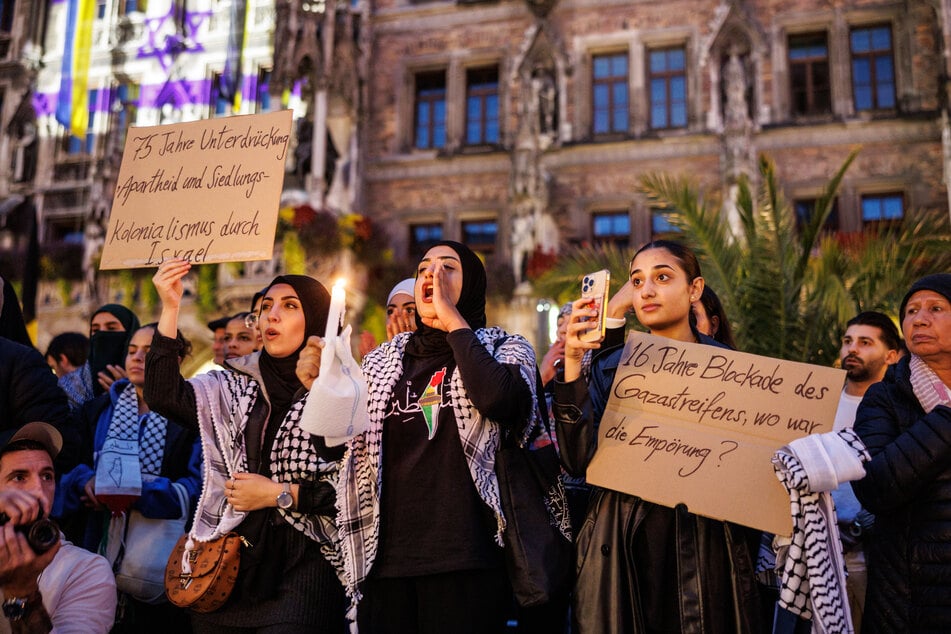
(64,588)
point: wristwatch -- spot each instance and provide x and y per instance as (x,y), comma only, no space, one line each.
(285,500)
(16,607)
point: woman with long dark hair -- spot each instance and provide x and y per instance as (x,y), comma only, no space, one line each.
(263,477)
(644,567)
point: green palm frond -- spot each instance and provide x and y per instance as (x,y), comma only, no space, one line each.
(788,290)
(563,281)
(700,219)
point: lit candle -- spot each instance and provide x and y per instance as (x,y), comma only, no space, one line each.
(338,301)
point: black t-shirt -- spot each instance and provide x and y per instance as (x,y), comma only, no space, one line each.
(432,519)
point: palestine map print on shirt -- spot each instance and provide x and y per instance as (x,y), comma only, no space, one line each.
(428,403)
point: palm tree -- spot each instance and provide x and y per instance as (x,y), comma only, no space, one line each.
(788,290)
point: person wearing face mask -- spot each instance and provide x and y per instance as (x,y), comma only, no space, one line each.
(110,328)
(420,518)
(264,478)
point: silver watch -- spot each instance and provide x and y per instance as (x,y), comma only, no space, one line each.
(285,500)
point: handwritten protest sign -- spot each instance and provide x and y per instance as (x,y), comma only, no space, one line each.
(206,191)
(698,425)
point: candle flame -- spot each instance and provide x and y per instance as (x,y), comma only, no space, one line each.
(340,283)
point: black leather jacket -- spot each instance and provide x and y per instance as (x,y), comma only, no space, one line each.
(643,567)
(907,485)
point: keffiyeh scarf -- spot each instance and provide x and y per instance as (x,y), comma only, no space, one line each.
(360,483)
(927,386)
(77,385)
(224,400)
(126,458)
(813,569)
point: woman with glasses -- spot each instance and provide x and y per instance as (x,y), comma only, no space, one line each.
(240,338)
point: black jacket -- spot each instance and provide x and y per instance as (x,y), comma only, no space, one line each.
(641,566)
(28,393)
(907,486)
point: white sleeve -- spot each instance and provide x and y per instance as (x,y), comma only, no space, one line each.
(80,595)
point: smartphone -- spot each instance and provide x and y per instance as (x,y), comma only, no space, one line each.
(594,287)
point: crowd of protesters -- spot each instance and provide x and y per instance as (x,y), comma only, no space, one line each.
(406,526)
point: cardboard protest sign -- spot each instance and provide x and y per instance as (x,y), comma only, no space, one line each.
(205,191)
(698,425)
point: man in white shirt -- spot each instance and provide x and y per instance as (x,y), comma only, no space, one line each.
(46,584)
(870,344)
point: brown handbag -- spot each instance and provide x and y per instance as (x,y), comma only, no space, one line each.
(214,570)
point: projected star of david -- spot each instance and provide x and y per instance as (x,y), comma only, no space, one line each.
(166,50)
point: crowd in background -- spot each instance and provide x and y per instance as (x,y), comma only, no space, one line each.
(409,525)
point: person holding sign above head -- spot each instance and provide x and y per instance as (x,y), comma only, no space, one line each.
(263,478)
(905,423)
(643,567)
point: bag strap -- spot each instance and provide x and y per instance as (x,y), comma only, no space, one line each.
(183,496)
(541,403)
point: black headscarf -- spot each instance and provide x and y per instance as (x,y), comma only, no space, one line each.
(109,347)
(280,374)
(428,341)
(12,326)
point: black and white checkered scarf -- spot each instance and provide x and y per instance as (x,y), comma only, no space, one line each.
(812,569)
(78,386)
(126,460)
(224,400)
(360,484)
(126,457)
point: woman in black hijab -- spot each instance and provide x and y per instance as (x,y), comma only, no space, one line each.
(420,518)
(110,329)
(263,477)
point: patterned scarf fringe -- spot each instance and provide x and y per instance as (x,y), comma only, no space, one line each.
(225,400)
(812,568)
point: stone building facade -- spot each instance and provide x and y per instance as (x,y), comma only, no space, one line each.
(517,126)
(592,94)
